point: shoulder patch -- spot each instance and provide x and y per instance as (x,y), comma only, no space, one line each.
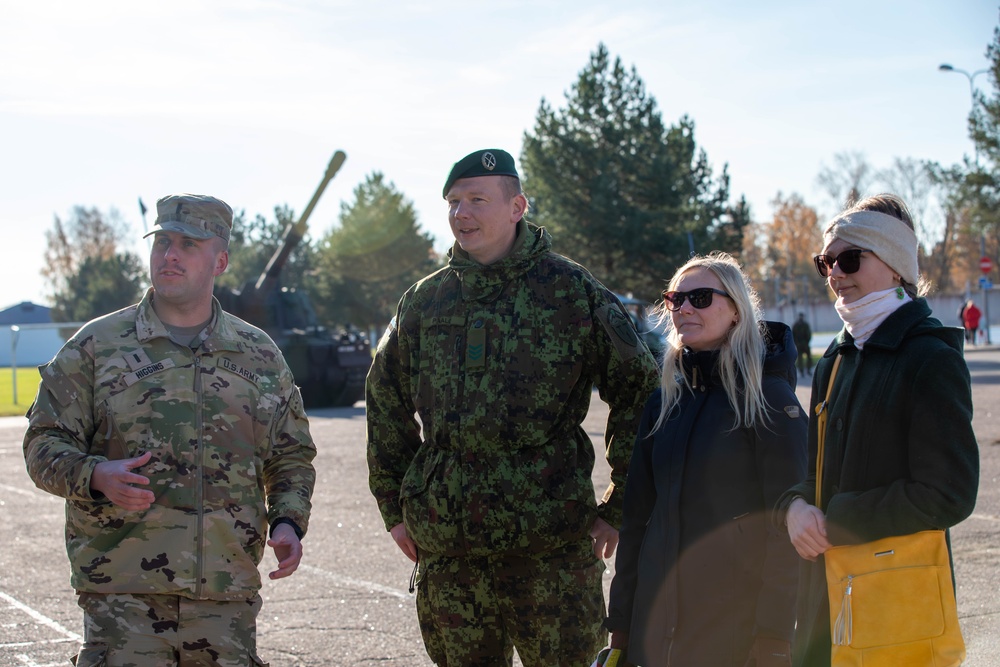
(619,329)
(228,364)
(57,384)
(792,411)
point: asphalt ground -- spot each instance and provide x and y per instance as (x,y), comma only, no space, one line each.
(348,603)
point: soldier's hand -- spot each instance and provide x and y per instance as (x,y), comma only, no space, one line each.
(605,538)
(403,541)
(287,549)
(115,480)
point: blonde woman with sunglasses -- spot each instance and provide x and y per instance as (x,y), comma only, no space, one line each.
(702,578)
(900,455)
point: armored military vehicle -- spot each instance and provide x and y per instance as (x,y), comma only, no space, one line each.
(329,364)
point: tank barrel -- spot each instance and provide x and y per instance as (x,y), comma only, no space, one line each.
(295,231)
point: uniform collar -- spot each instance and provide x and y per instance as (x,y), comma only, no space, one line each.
(486,282)
(219,335)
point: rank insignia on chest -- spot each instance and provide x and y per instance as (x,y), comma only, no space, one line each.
(475,351)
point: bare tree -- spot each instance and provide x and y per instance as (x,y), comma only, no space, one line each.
(86,234)
(912,180)
(848,179)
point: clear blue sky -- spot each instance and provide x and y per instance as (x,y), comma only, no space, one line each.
(104,102)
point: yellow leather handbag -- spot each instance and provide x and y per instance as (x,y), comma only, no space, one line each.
(892,601)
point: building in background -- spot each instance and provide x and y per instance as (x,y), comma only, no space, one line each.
(35,346)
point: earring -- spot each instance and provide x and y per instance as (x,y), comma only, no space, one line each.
(899,293)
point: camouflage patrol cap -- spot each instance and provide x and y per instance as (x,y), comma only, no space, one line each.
(197,216)
(486,162)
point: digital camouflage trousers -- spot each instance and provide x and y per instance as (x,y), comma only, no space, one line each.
(474,611)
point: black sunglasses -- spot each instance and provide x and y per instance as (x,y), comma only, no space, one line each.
(699,298)
(849,261)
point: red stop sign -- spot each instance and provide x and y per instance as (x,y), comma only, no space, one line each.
(985,265)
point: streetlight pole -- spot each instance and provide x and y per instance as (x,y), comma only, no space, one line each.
(944,67)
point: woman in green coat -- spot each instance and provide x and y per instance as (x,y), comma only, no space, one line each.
(900,453)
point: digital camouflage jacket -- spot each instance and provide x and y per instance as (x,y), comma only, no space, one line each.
(477,394)
(230,444)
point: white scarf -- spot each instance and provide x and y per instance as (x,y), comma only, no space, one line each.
(863,316)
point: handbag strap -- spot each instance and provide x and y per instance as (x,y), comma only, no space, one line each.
(821,415)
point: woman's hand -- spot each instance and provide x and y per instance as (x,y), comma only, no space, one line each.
(807,529)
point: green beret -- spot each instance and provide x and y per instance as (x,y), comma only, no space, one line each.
(487,162)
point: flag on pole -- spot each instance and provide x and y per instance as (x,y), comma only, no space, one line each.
(145,227)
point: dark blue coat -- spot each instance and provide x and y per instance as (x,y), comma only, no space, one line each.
(700,570)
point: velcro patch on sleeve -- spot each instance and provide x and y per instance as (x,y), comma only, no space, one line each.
(620,330)
(58,384)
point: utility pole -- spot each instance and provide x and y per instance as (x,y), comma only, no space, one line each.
(944,67)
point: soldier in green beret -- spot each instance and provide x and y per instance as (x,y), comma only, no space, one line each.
(177,437)
(476,453)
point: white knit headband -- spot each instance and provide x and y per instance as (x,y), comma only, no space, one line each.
(888,237)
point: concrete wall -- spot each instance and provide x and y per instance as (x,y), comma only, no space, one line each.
(822,316)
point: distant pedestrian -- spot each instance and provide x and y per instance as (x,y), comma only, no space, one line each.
(970,320)
(802,335)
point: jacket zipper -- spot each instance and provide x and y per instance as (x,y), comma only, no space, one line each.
(200,481)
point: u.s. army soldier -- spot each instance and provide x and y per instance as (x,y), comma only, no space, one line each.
(177,436)
(498,354)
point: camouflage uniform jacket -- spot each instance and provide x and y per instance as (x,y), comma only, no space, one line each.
(499,363)
(226,429)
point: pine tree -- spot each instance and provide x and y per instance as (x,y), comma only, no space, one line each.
(374,255)
(620,192)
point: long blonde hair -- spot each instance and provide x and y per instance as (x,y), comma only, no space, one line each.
(741,355)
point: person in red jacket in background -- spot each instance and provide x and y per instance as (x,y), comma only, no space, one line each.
(970,318)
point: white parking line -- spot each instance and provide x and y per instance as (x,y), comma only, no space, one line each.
(357,583)
(69,635)
(27,661)
(21,492)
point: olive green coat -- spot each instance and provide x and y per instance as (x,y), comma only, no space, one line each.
(901,456)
